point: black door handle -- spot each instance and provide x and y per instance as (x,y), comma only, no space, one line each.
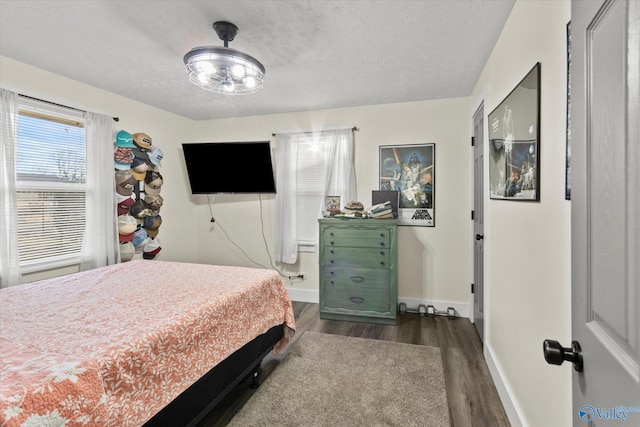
(555,354)
(479,236)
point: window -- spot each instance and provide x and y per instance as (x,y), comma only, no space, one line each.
(310,178)
(50,185)
(309,166)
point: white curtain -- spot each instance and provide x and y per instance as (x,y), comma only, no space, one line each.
(340,179)
(9,263)
(340,172)
(286,236)
(100,242)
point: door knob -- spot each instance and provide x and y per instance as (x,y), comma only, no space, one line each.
(555,354)
(479,236)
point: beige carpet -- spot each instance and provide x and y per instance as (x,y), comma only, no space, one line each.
(332,380)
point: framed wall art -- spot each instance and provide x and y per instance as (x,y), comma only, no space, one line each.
(332,205)
(514,142)
(410,170)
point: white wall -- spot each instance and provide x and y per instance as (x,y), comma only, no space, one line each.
(434,264)
(527,245)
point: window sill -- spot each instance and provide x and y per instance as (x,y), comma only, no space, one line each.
(29,267)
(307,247)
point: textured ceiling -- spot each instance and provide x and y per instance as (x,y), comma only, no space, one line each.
(318,53)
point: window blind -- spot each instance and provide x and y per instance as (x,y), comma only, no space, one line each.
(50,184)
(310,174)
(50,224)
(49,150)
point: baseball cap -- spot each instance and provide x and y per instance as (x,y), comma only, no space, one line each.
(124,182)
(152,223)
(124,205)
(121,166)
(126,224)
(123,155)
(141,153)
(124,238)
(126,251)
(139,209)
(151,249)
(155,156)
(153,179)
(151,191)
(353,207)
(139,168)
(142,140)
(124,139)
(122,158)
(140,238)
(154,202)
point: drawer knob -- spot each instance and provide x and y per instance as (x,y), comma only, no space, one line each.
(382,244)
(356,300)
(331,242)
(382,253)
(381,262)
(332,272)
(331,234)
(331,251)
(357,279)
(331,261)
(381,234)
(332,282)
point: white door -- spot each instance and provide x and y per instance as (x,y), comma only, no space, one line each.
(478,221)
(605,211)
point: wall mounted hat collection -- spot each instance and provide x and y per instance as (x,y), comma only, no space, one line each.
(136,163)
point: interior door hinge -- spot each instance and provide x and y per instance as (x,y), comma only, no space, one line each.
(473,289)
(473,141)
(473,215)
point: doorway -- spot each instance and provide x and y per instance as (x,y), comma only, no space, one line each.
(477,288)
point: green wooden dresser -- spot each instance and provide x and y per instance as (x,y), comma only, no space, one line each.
(358,270)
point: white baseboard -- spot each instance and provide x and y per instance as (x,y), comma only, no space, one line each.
(312,296)
(504,391)
(304,295)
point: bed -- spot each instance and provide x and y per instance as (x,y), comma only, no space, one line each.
(145,341)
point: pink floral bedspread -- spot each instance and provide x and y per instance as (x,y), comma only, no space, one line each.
(112,346)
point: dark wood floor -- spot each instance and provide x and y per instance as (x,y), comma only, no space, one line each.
(473,399)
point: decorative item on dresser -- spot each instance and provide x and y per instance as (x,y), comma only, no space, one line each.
(358,270)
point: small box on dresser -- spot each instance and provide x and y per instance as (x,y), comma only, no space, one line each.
(358,270)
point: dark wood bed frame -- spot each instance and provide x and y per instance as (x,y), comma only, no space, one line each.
(192,405)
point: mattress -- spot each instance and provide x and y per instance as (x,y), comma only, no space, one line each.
(114,345)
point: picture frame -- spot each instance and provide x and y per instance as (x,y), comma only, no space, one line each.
(332,205)
(514,142)
(410,170)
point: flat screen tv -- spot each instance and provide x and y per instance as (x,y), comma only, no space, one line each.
(229,167)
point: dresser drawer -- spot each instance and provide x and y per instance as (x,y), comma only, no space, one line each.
(355,278)
(357,257)
(355,298)
(358,270)
(359,238)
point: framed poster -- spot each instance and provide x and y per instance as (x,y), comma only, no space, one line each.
(514,142)
(410,170)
